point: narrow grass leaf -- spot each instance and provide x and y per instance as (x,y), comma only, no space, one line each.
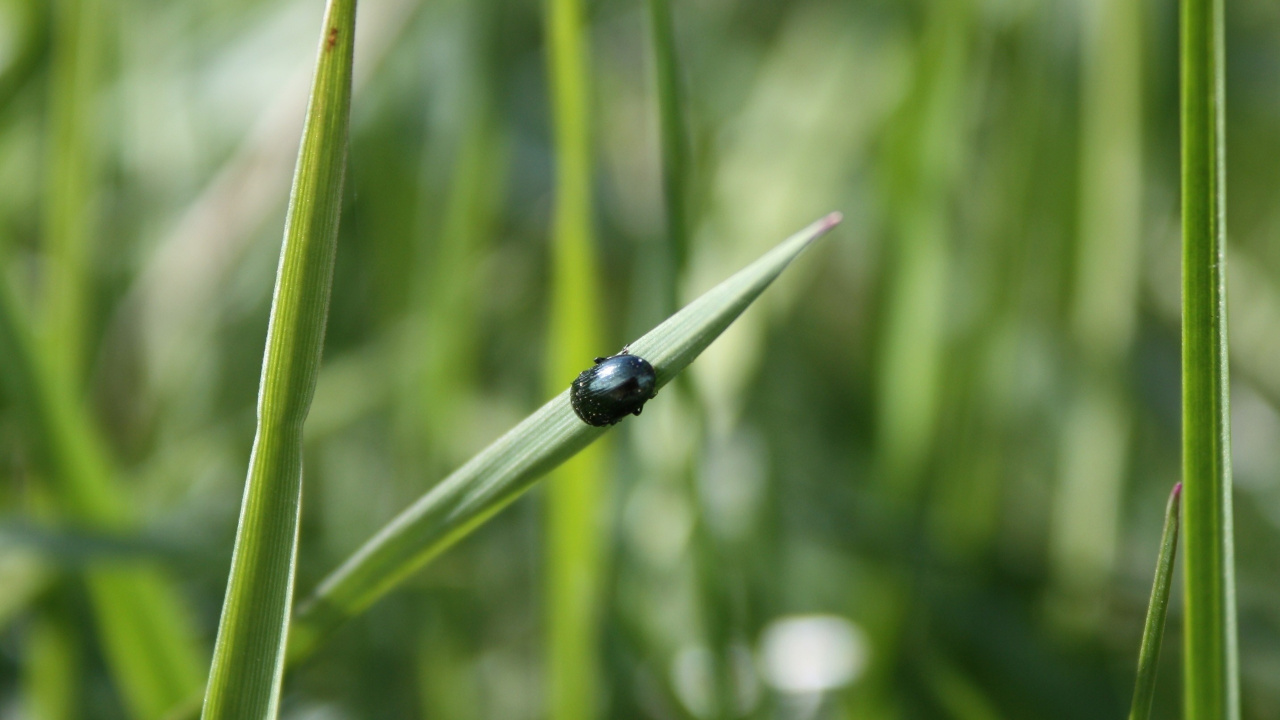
(1144,688)
(53,672)
(718,624)
(501,472)
(673,139)
(146,636)
(573,501)
(78,30)
(1210,651)
(248,660)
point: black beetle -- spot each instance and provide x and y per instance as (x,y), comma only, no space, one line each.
(613,388)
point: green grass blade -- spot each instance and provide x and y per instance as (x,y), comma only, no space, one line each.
(1104,311)
(674,140)
(508,467)
(146,637)
(248,660)
(923,155)
(69,200)
(54,668)
(1211,664)
(1144,688)
(27,60)
(573,509)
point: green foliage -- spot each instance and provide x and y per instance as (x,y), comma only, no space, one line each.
(1210,648)
(575,491)
(946,431)
(248,660)
(1144,687)
(503,471)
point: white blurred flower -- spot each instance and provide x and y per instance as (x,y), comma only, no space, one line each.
(810,654)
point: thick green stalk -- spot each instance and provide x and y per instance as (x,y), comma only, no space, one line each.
(248,660)
(1144,688)
(574,503)
(1211,665)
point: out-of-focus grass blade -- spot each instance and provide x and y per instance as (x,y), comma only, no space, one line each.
(146,637)
(73,167)
(1144,688)
(1211,664)
(674,140)
(248,660)
(53,666)
(1104,310)
(500,473)
(23,577)
(924,157)
(573,500)
(33,44)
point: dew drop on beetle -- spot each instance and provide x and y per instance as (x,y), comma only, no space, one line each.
(612,389)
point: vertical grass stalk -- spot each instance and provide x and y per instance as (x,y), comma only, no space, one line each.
(673,142)
(145,635)
(73,163)
(248,660)
(922,167)
(54,670)
(1144,688)
(1098,422)
(1210,660)
(573,492)
(715,614)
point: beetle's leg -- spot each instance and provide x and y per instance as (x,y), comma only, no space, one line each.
(626,349)
(600,360)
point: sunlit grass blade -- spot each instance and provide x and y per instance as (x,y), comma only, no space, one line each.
(53,673)
(508,467)
(1210,650)
(1104,311)
(573,531)
(673,139)
(78,29)
(248,660)
(923,155)
(1144,687)
(145,634)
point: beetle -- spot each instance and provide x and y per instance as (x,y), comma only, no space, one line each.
(613,388)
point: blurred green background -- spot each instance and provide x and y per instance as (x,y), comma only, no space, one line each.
(923,478)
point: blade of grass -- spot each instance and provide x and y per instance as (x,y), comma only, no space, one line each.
(923,162)
(1211,664)
(674,140)
(501,472)
(248,660)
(1144,688)
(716,619)
(29,57)
(145,634)
(69,198)
(54,668)
(1099,422)
(573,560)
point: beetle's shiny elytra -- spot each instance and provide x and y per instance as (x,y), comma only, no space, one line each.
(612,389)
